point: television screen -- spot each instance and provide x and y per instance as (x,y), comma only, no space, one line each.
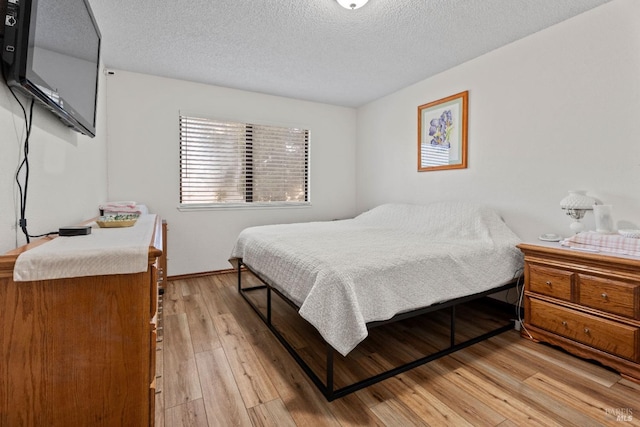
(52,53)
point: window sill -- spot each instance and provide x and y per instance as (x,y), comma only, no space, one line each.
(242,206)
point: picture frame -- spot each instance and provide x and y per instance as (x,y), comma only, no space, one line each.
(442,133)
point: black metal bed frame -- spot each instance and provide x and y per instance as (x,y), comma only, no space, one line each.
(327,388)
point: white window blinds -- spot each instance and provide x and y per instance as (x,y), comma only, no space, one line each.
(225,163)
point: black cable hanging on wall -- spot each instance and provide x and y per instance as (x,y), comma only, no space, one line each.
(24,164)
(23,185)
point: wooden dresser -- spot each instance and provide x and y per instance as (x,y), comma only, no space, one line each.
(587,303)
(79,351)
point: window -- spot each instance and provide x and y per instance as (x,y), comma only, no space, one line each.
(229,164)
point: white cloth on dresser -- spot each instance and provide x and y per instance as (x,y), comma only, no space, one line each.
(104,251)
(392,259)
(614,243)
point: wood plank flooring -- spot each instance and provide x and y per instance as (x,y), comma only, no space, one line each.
(218,365)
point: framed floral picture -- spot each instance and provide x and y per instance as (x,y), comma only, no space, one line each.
(442,133)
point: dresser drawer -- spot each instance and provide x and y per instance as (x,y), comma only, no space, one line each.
(550,281)
(609,295)
(603,334)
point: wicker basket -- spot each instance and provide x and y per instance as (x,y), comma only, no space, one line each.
(116,223)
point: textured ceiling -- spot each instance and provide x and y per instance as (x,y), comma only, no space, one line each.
(314,49)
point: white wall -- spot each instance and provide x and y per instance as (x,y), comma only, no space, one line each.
(555,111)
(68,171)
(143,159)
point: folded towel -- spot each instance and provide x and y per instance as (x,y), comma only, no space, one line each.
(121,210)
(614,243)
(129,204)
(120,207)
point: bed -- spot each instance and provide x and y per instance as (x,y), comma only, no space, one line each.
(391,262)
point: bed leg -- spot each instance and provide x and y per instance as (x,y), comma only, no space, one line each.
(452,328)
(268,306)
(329,391)
(239,276)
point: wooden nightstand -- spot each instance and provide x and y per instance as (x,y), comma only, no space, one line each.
(587,303)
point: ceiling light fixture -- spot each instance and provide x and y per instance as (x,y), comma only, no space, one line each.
(352,4)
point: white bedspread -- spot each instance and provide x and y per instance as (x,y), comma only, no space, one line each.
(391,259)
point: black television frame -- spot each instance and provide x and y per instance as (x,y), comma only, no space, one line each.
(19,22)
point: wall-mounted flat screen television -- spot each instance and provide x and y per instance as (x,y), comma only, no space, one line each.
(51,52)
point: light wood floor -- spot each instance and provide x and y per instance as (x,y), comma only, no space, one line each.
(218,365)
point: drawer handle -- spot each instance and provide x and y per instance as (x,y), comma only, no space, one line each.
(604,295)
(564,323)
(548,282)
(586,330)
